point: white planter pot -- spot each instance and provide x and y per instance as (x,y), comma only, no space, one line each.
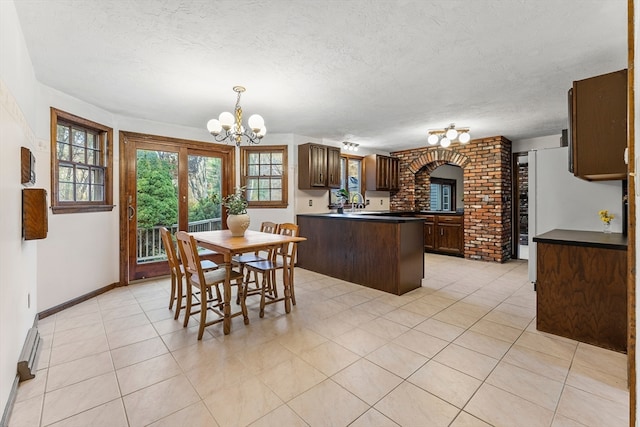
(238,224)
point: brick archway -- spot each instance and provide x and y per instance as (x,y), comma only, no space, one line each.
(438,157)
(486,165)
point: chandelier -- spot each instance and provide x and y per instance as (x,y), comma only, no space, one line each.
(448,135)
(229,126)
(350,146)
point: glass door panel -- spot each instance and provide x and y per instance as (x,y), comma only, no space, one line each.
(156,207)
(204,180)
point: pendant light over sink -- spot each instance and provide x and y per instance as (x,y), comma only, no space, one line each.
(448,135)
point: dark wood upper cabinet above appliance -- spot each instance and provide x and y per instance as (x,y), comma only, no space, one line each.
(598,126)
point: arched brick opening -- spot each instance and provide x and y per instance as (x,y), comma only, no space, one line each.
(486,165)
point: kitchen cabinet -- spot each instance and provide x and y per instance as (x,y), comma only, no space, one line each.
(598,127)
(318,167)
(444,234)
(430,233)
(581,286)
(333,167)
(382,173)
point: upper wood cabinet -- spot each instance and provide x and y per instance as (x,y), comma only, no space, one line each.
(333,167)
(382,173)
(598,125)
(318,167)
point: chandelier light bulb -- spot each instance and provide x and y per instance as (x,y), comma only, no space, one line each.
(214,127)
(451,134)
(445,142)
(433,139)
(226,120)
(464,137)
(256,122)
(262,132)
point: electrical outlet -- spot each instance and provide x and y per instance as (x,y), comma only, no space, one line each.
(367,202)
(310,202)
(381,202)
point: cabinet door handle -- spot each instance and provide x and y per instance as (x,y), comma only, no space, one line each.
(441,231)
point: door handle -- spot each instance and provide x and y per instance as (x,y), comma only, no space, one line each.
(132,212)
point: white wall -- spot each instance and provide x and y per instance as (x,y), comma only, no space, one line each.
(17,257)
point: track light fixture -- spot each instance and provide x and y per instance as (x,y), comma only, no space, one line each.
(448,135)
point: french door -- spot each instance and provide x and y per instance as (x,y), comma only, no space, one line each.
(170,183)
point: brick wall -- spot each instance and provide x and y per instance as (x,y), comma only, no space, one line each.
(487,191)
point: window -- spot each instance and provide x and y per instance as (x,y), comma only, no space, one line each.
(443,194)
(81,164)
(350,178)
(264,174)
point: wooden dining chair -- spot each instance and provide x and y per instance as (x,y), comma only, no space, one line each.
(178,291)
(280,256)
(203,281)
(242,260)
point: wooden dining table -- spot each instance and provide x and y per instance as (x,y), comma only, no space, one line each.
(223,242)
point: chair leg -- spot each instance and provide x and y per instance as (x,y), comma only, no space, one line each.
(263,292)
(245,281)
(187,313)
(243,300)
(292,288)
(173,290)
(178,297)
(204,307)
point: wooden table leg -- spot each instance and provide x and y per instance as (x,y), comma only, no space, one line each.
(285,281)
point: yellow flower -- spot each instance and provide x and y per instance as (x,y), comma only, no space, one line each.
(605,216)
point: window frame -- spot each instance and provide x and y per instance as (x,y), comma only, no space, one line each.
(244,169)
(344,178)
(442,182)
(105,141)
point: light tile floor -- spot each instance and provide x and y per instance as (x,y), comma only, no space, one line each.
(462,350)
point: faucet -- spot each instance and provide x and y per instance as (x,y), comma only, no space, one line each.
(355,206)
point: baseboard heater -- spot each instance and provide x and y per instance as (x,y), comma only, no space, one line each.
(26,368)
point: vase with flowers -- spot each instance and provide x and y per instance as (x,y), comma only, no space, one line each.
(606,219)
(238,219)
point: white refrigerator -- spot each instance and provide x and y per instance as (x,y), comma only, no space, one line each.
(559,200)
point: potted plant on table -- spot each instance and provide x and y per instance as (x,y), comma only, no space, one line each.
(237,217)
(342,195)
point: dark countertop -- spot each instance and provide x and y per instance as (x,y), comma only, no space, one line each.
(594,239)
(357,216)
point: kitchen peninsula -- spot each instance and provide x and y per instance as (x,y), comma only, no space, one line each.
(380,252)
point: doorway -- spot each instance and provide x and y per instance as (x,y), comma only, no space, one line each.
(167,183)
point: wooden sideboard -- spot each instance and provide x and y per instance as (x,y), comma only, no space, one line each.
(582,286)
(380,252)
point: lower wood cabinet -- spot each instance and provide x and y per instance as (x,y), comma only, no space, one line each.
(581,287)
(444,234)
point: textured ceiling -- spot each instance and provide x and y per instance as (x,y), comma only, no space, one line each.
(376,72)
